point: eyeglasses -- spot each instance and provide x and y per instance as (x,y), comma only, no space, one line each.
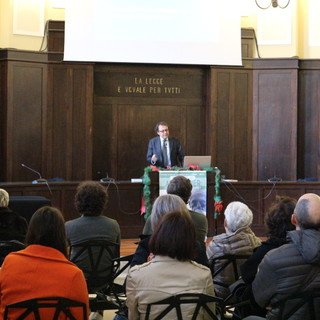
(165,130)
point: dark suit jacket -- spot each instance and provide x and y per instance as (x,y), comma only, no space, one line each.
(176,153)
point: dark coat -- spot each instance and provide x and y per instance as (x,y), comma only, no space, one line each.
(285,270)
(249,268)
(12,225)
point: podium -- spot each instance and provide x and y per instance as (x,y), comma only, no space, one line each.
(154,189)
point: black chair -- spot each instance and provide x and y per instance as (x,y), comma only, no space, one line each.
(9,246)
(307,303)
(232,262)
(101,264)
(60,306)
(26,206)
(176,302)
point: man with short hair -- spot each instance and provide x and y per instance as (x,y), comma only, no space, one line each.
(164,151)
(182,187)
(293,267)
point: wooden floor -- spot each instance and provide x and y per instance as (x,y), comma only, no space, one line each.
(128,246)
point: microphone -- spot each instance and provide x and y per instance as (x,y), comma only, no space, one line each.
(40,180)
(106,178)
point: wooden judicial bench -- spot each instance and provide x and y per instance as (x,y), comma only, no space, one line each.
(125,199)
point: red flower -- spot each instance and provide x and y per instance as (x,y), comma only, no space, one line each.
(218,206)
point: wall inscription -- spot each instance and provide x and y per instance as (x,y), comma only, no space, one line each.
(157,85)
(149,85)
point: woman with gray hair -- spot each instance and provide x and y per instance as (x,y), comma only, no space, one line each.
(12,225)
(239,239)
(163,205)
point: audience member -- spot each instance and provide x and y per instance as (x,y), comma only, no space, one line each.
(293,267)
(238,239)
(170,270)
(182,187)
(162,205)
(90,201)
(12,225)
(278,223)
(42,269)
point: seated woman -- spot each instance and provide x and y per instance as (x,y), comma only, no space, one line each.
(239,239)
(12,225)
(162,205)
(42,269)
(278,223)
(170,270)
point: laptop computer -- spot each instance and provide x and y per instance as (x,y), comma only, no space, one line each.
(201,161)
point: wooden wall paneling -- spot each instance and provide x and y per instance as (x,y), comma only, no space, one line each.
(104,124)
(60,135)
(124,206)
(247,42)
(194,119)
(140,97)
(55,36)
(3,119)
(248,193)
(229,130)
(309,116)
(70,117)
(242,105)
(82,119)
(275,119)
(26,120)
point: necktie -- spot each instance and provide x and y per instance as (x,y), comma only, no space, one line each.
(164,153)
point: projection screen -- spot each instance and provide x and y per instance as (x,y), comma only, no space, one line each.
(197,32)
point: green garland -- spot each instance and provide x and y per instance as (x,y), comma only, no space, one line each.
(147,182)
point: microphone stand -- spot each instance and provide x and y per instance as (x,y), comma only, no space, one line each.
(40,180)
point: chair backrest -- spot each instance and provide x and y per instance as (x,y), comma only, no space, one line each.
(9,246)
(306,304)
(58,306)
(201,302)
(97,259)
(224,262)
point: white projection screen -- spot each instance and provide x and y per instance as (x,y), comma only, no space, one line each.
(197,32)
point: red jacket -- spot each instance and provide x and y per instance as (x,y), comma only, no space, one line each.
(40,271)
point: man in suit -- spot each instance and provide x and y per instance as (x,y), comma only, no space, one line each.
(164,151)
